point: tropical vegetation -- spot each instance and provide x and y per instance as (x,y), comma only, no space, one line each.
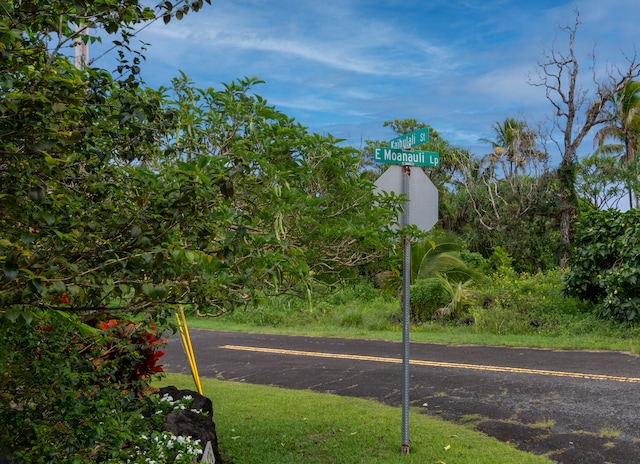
(119,203)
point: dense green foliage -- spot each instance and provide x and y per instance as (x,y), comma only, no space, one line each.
(177,223)
(508,198)
(514,309)
(118,199)
(601,181)
(605,263)
(126,198)
(623,129)
(70,392)
(427,296)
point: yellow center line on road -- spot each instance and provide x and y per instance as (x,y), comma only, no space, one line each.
(478,367)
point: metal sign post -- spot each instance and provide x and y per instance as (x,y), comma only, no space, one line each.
(406,311)
(398,179)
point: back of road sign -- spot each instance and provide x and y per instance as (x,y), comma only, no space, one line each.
(423,195)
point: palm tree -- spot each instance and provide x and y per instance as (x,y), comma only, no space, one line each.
(461,296)
(624,128)
(515,143)
(439,256)
(434,256)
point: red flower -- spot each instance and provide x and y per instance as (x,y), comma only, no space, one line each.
(146,340)
(110,323)
(64,299)
(149,366)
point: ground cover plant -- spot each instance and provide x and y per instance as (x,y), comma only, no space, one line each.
(268,425)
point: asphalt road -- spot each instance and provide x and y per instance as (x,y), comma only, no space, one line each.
(574,406)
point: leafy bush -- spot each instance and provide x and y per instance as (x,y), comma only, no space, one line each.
(426,296)
(153,445)
(512,303)
(69,392)
(475,260)
(605,264)
(500,261)
(362,290)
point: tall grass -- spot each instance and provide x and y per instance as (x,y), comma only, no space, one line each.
(354,309)
(511,309)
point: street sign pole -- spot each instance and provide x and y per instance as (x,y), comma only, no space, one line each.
(400,152)
(406,311)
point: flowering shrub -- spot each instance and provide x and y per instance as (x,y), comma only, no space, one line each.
(151,444)
(73,393)
(167,404)
(165,447)
(134,348)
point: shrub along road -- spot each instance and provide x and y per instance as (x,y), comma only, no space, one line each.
(573,406)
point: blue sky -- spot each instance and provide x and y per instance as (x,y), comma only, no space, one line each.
(345,67)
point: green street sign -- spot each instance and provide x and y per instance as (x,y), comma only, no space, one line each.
(389,155)
(411,139)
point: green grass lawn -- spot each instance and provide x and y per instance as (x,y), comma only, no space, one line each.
(261,424)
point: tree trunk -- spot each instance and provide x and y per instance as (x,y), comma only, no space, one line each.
(569,205)
(566,220)
(559,75)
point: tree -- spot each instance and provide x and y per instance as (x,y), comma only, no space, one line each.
(69,212)
(529,235)
(69,232)
(306,212)
(507,199)
(600,181)
(120,201)
(440,255)
(518,162)
(623,127)
(605,263)
(129,200)
(575,114)
(514,148)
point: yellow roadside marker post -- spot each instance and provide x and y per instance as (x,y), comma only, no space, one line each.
(188,348)
(208,456)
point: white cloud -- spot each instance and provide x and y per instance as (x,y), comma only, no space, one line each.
(460,66)
(325,36)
